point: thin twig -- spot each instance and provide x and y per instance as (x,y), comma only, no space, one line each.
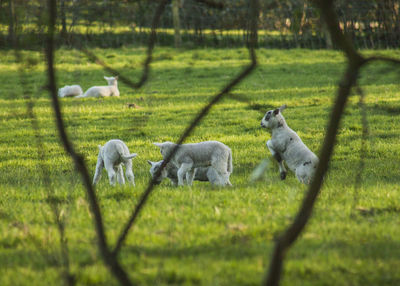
(149,53)
(45,172)
(363,147)
(284,242)
(349,79)
(193,125)
(109,260)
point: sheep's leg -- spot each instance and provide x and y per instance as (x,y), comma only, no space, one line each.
(99,168)
(278,158)
(111,172)
(214,177)
(120,175)
(128,172)
(184,168)
(190,176)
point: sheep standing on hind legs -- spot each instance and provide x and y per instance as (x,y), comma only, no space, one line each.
(189,157)
(111,157)
(103,91)
(286,146)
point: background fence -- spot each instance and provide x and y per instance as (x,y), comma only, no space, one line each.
(282,23)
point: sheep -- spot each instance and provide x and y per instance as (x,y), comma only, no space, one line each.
(70,91)
(203,174)
(189,157)
(111,156)
(286,145)
(103,91)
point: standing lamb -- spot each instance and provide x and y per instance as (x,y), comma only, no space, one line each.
(70,91)
(111,156)
(286,145)
(103,91)
(189,157)
(203,174)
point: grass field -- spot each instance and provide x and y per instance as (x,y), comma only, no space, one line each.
(201,235)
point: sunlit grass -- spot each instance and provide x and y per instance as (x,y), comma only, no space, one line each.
(201,235)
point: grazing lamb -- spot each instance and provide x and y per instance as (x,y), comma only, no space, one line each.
(103,91)
(189,157)
(70,90)
(286,145)
(111,156)
(202,174)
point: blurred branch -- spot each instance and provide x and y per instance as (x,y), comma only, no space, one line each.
(109,260)
(44,171)
(363,147)
(383,59)
(349,79)
(245,72)
(149,56)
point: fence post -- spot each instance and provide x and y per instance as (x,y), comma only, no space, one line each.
(176,21)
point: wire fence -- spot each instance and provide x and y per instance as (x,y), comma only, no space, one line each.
(281,24)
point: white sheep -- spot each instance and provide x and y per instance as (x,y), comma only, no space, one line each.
(203,174)
(111,156)
(286,145)
(103,91)
(70,90)
(189,157)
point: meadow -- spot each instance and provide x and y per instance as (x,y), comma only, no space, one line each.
(200,235)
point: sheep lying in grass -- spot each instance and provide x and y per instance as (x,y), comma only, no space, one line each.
(203,174)
(111,156)
(189,157)
(286,145)
(103,91)
(70,90)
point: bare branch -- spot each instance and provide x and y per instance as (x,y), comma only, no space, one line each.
(194,123)
(109,260)
(383,59)
(149,57)
(349,79)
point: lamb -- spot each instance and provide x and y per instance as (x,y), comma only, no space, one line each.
(286,145)
(111,156)
(203,174)
(189,157)
(70,90)
(103,91)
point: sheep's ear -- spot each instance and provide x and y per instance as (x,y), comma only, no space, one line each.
(150,162)
(282,108)
(276,111)
(106,78)
(158,144)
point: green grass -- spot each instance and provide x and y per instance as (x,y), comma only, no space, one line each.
(201,235)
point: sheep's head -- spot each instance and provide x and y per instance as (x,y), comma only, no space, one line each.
(111,80)
(155,166)
(273,118)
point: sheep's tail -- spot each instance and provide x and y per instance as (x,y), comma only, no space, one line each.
(130,156)
(123,156)
(99,147)
(230,165)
